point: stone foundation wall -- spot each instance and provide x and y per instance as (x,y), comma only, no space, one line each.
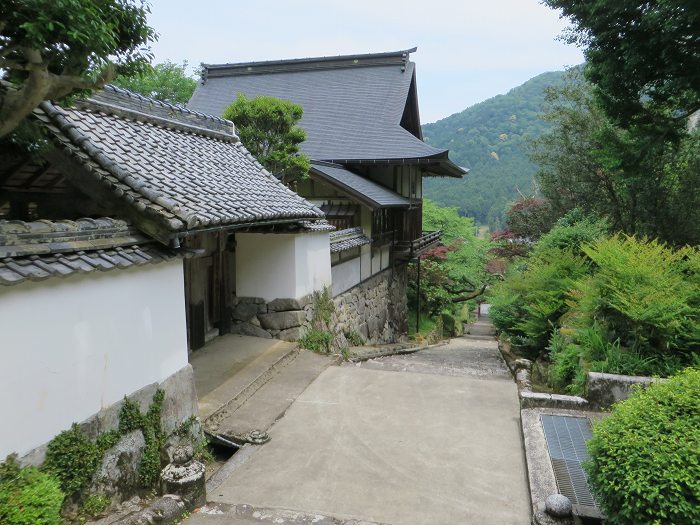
(285,319)
(117,476)
(375,309)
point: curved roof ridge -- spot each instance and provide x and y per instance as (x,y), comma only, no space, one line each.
(124,103)
(174,107)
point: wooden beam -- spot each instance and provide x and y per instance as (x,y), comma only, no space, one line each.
(40,173)
(86,183)
(4,178)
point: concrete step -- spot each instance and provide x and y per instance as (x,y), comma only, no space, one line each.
(480,327)
(223,514)
(258,406)
(478,337)
(234,368)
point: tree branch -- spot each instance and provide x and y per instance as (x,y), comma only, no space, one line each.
(40,85)
(472,295)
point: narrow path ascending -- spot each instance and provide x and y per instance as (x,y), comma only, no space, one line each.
(426,438)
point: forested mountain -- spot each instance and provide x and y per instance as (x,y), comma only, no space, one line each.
(490,138)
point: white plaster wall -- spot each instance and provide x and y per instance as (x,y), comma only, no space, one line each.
(376,260)
(346,275)
(366,265)
(265,265)
(73,346)
(275,266)
(313,263)
(386,257)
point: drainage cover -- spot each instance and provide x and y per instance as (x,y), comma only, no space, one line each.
(566,440)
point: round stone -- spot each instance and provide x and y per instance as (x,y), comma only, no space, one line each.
(558,505)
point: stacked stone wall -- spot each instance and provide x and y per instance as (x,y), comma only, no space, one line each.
(375,309)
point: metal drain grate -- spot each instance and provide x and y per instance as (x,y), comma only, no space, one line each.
(566,440)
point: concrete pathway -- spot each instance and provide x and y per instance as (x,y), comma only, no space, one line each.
(426,438)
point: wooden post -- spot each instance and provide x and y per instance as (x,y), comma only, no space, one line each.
(418,298)
(225,288)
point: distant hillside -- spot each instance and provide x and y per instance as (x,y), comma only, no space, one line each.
(490,138)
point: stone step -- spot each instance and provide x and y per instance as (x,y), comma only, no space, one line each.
(241,381)
(223,514)
(266,400)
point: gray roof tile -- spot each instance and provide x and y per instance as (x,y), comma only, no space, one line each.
(369,192)
(186,175)
(353,105)
(34,251)
(37,268)
(347,239)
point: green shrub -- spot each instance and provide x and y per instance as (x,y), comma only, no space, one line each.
(73,458)
(645,457)
(130,419)
(449,325)
(645,293)
(570,233)
(354,338)
(95,504)
(317,340)
(323,307)
(28,496)
(528,306)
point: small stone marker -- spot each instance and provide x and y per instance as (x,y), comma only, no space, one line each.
(558,505)
(184,476)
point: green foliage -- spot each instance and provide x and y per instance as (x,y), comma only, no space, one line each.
(267,126)
(528,305)
(642,57)
(644,294)
(645,457)
(450,325)
(167,81)
(28,496)
(454,272)
(619,305)
(571,232)
(491,139)
(73,46)
(95,504)
(529,217)
(130,419)
(317,340)
(73,458)
(354,338)
(642,182)
(323,306)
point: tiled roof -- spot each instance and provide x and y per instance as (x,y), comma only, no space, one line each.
(369,192)
(353,105)
(19,238)
(339,210)
(182,168)
(34,251)
(317,226)
(347,239)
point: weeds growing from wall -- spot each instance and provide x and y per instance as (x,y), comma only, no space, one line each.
(35,496)
(319,337)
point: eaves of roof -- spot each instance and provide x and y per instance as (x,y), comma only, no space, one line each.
(182,173)
(368,192)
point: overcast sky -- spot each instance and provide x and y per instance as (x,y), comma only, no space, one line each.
(468,50)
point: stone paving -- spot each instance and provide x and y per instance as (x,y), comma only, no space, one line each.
(431,437)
